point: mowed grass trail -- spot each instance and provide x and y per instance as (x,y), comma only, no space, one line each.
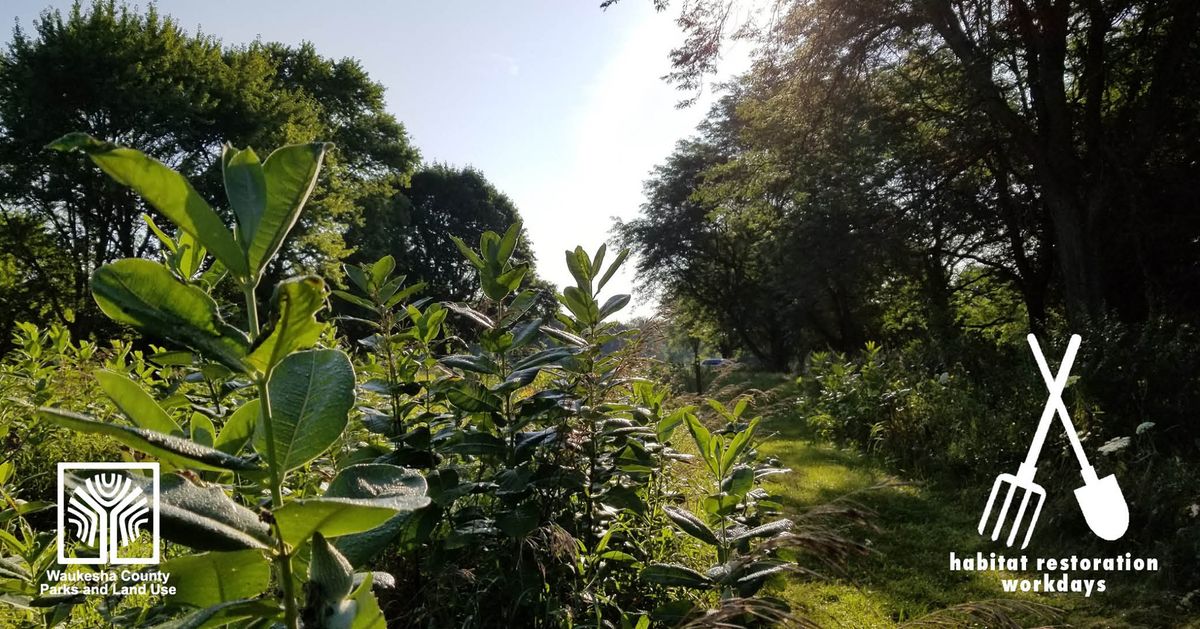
(907,576)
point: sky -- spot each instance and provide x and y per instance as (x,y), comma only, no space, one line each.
(559,103)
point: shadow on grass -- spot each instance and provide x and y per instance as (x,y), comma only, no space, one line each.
(908,575)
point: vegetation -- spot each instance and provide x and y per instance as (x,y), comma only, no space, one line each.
(138,79)
(537,444)
(369,410)
(895,194)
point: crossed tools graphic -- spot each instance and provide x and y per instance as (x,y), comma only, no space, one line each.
(1100,499)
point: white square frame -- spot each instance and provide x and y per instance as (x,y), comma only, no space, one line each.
(103,559)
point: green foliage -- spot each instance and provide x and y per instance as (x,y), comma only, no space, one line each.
(740,526)
(136,77)
(288,466)
(143,293)
(414,228)
(300,408)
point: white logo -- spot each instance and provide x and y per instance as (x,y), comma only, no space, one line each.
(1103,505)
(107,510)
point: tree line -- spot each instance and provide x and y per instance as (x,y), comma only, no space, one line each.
(138,79)
(927,169)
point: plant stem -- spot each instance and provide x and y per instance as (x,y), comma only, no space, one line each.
(251,308)
(283,560)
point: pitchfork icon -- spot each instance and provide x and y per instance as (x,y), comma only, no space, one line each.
(1101,499)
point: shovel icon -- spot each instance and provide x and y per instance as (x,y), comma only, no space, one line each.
(1100,499)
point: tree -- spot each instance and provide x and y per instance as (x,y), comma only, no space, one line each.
(415,226)
(1090,105)
(138,79)
(783,254)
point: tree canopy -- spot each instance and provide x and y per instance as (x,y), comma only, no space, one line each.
(884,159)
(415,226)
(136,78)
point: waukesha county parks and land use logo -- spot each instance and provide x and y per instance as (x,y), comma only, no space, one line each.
(108,514)
(1100,500)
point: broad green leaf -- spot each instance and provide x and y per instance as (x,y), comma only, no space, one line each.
(295,327)
(408,291)
(521,305)
(582,305)
(311,395)
(381,270)
(136,404)
(174,450)
(470,362)
(489,247)
(737,445)
(211,578)
(331,517)
(428,325)
(190,257)
(674,574)
(508,242)
(202,430)
(402,489)
(168,191)
(739,481)
(580,268)
(525,334)
(624,253)
(145,295)
(598,259)
(473,397)
(623,497)
(717,406)
(721,504)
(498,284)
(354,299)
(466,311)
(516,380)
(666,427)
(468,253)
(246,189)
(691,525)
(291,173)
(204,518)
(167,241)
(390,287)
(222,614)
(770,529)
(634,458)
(358,277)
(704,442)
(213,274)
(511,279)
(238,428)
(367,613)
(476,444)
(544,357)
(612,306)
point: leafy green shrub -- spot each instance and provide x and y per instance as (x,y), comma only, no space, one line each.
(548,493)
(294,404)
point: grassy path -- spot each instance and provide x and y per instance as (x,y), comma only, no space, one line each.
(908,575)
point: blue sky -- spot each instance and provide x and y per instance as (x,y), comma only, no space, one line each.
(557,102)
